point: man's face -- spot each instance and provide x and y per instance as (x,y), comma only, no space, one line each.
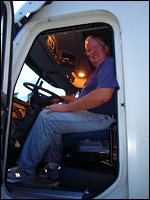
(96,51)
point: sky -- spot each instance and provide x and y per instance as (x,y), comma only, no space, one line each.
(17,5)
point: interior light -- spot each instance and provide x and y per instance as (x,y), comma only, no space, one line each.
(81,74)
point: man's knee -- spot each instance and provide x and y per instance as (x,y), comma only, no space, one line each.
(50,116)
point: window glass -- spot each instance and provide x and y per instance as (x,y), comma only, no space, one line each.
(57,91)
(28,75)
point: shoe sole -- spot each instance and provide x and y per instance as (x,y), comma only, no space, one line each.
(37,181)
(46,176)
(47,181)
(43,176)
(13,181)
(21,181)
(55,184)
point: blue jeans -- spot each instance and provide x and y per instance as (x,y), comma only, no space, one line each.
(47,131)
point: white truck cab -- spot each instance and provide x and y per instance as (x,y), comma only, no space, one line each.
(43,46)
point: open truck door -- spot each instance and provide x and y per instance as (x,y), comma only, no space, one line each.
(7,21)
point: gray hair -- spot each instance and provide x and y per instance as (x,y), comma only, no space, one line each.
(95,37)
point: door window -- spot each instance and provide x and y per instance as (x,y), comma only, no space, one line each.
(28,75)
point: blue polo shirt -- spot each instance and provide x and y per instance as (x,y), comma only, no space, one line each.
(102,77)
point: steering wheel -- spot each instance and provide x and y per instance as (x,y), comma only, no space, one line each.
(37,96)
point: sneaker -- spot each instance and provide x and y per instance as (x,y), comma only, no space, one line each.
(53,174)
(17,174)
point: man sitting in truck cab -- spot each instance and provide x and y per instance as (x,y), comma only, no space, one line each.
(76,115)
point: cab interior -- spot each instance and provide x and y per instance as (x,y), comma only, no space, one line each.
(59,64)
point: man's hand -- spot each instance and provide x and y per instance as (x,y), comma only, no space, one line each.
(67,99)
(56,108)
(55,100)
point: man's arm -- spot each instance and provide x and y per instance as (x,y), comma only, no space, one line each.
(91,100)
